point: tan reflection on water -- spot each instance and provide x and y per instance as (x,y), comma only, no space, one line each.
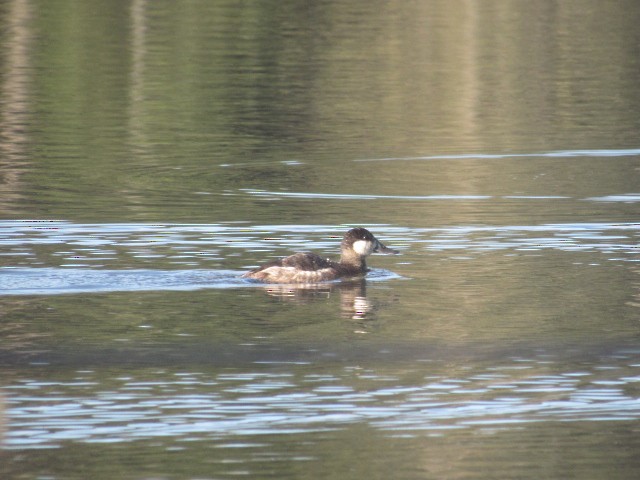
(188,88)
(15,96)
(354,303)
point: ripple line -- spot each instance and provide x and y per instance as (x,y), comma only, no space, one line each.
(485,156)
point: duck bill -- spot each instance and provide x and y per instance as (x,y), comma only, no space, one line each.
(382,248)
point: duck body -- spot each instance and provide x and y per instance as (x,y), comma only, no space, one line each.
(303,267)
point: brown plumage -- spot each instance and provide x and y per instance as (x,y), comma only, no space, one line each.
(357,244)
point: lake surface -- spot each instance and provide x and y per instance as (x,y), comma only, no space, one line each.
(152,152)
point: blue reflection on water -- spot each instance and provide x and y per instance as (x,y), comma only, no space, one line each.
(201,405)
(36,281)
(53,281)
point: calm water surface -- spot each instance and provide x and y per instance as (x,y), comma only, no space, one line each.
(150,153)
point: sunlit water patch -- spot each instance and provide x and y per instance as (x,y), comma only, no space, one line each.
(560,154)
(49,281)
(617,241)
(52,281)
(346,196)
(62,257)
(191,406)
(59,243)
(275,195)
(625,198)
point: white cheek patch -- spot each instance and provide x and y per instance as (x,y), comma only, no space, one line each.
(363,247)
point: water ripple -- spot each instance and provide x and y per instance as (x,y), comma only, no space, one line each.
(483,156)
(48,281)
(345,196)
(61,257)
(231,404)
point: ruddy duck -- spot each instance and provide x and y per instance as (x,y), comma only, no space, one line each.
(357,244)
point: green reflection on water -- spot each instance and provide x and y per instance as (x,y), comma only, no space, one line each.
(176,112)
(129,110)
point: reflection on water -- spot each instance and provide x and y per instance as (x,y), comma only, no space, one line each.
(475,332)
(188,406)
(500,156)
(354,303)
(67,245)
(153,151)
(296,411)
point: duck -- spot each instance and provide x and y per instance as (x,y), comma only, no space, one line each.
(304,267)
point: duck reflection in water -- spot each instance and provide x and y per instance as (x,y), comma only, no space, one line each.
(354,303)
(309,268)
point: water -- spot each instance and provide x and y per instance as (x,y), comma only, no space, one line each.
(150,153)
